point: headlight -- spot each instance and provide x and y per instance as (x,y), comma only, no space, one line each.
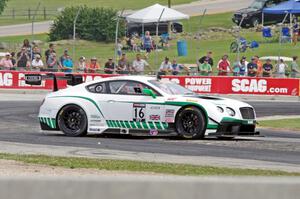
(220,109)
(230,111)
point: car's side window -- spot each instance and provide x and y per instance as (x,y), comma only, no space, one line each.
(127,87)
(97,88)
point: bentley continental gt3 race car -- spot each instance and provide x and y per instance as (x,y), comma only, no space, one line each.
(143,105)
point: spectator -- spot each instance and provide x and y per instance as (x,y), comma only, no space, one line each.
(82,66)
(243,67)
(133,44)
(67,65)
(295,68)
(64,57)
(27,46)
(37,64)
(205,68)
(176,68)
(93,66)
(281,69)
(267,68)
(259,66)
(53,63)
(13,59)
(148,43)
(123,65)
(236,68)
(109,66)
(165,67)
(35,51)
(209,57)
(6,63)
(138,65)
(224,66)
(119,48)
(295,30)
(23,59)
(49,52)
(252,68)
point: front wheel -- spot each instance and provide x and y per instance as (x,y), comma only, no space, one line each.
(191,123)
(72,121)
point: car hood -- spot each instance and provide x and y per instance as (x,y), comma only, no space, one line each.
(245,11)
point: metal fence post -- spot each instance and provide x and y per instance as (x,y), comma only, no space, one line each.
(45,13)
(29,13)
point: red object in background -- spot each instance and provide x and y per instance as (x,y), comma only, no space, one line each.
(199,84)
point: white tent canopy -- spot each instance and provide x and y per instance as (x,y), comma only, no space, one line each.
(152,14)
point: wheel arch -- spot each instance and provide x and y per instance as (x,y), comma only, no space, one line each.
(75,104)
(199,107)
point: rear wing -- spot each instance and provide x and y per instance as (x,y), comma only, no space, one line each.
(36,79)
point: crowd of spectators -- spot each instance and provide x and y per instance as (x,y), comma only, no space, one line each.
(30,58)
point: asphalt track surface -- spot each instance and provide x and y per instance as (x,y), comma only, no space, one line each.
(18,123)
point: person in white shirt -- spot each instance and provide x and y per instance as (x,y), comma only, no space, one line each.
(280,68)
(37,64)
(165,67)
(138,65)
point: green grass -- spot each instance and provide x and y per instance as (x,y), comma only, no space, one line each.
(219,44)
(290,124)
(117,4)
(136,166)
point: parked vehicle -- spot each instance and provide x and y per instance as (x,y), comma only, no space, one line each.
(136,28)
(253,14)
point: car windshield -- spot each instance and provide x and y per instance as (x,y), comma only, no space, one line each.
(171,88)
(257,4)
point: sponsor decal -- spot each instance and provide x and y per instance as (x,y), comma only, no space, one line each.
(170,114)
(139,112)
(95,116)
(171,99)
(198,84)
(96,121)
(153,132)
(154,107)
(95,129)
(249,85)
(192,100)
(154,117)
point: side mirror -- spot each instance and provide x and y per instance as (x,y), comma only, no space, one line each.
(149,92)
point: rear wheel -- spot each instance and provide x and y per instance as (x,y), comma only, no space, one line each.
(191,123)
(72,121)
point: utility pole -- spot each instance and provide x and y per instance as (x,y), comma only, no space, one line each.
(169,24)
(74,34)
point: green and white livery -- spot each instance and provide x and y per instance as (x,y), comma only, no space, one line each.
(143,105)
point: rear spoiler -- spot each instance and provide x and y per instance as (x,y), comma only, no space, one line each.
(36,79)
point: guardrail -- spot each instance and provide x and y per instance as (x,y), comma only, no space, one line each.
(198,84)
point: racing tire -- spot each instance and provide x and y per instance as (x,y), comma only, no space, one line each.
(72,121)
(191,123)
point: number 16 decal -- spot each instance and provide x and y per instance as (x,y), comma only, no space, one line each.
(139,112)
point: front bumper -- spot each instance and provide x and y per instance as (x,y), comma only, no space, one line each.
(233,127)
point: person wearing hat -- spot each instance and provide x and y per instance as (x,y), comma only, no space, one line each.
(82,66)
(53,63)
(6,62)
(93,66)
(37,63)
(109,66)
(63,57)
(205,69)
(252,68)
(267,68)
(165,67)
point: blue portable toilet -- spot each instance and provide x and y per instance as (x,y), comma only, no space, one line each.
(182,48)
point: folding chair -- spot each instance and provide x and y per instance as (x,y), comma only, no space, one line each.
(285,35)
(267,33)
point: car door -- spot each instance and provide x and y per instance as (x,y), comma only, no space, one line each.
(127,107)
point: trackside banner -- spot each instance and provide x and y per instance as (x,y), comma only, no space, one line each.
(213,85)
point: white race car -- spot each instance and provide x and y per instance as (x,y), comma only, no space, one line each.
(143,105)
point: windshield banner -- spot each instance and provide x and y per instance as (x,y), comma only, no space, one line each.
(206,85)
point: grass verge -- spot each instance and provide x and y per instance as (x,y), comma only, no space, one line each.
(136,166)
(290,124)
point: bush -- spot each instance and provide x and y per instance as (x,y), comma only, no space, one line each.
(2,5)
(98,24)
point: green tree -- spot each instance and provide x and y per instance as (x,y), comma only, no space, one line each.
(96,24)
(2,5)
